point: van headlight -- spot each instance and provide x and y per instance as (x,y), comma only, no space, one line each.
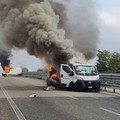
(79,78)
(97,79)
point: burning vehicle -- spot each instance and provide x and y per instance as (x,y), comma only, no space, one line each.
(75,76)
(52,76)
(12,71)
(46,29)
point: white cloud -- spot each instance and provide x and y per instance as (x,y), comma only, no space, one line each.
(110,19)
(110,30)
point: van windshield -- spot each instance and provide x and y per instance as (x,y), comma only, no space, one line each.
(85,70)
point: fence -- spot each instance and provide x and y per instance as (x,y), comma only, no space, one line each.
(107,80)
(38,75)
(110,81)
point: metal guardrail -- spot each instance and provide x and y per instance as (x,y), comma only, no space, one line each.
(32,75)
(110,81)
(38,75)
(107,80)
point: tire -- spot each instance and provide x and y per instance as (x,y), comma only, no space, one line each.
(57,86)
(4,75)
(71,85)
(48,83)
(97,89)
(18,75)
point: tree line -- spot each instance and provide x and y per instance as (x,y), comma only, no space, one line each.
(108,62)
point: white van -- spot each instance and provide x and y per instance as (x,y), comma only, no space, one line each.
(79,77)
(13,72)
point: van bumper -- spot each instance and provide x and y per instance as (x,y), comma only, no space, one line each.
(85,85)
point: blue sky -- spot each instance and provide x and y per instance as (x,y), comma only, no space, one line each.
(109,26)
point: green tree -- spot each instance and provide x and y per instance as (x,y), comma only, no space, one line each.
(103,61)
(114,63)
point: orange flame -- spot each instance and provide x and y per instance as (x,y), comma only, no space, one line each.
(49,67)
(54,76)
(7,69)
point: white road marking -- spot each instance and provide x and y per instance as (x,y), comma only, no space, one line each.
(17,111)
(96,98)
(115,113)
(73,97)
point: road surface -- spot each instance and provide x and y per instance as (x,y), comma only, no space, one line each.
(15,103)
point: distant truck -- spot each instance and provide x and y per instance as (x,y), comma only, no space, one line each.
(77,77)
(13,72)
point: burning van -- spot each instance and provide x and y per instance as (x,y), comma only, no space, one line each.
(12,71)
(75,76)
(52,76)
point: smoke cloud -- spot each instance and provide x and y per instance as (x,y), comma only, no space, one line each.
(86,33)
(4,57)
(45,28)
(34,27)
(5,53)
(79,19)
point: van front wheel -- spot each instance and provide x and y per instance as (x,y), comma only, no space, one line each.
(71,85)
(97,89)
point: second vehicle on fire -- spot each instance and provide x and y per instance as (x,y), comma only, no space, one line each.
(76,77)
(12,71)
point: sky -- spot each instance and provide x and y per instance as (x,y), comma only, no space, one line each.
(109,26)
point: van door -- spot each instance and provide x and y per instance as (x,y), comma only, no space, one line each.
(65,77)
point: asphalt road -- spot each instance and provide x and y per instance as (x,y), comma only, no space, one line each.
(15,103)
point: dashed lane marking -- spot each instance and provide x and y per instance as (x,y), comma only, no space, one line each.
(73,97)
(115,113)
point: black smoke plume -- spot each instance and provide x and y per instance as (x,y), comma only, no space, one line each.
(45,28)
(4,57)
(34,27)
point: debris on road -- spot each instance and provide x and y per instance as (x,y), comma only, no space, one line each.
(33,96)
(50,88)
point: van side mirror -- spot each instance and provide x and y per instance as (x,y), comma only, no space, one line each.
(61,75)
(71,73)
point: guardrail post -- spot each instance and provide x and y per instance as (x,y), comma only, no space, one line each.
(113,90)
(104,88)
